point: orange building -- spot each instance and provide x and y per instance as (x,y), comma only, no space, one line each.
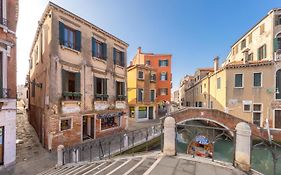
(162,64)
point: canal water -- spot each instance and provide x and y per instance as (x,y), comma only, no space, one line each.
(223,150)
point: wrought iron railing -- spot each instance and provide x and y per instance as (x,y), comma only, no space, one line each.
(71,95)
(3,21)
(186,134)
(106,147)
(265,156)
(4,93)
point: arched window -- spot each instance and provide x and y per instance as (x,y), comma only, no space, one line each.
(277,42)
(278,84)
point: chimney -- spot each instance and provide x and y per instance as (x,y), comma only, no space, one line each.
(216,63)
(139,50)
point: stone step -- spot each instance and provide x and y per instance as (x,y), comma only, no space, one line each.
(143,167)
(77,169)
(66,170)
(98,168)
(49,171)
(126,167)
(112,167)
(87,168)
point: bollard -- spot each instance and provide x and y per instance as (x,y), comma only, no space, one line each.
(243,146)
(169,136)
(60,155)
(126,141)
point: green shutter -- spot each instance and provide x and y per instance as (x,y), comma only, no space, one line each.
(104,86)
(61,33)
(275,43)
(95,85)
(77,82)
(104,50)
(78,40)
(114,55)
(259,58)
(64,80)
(93,47)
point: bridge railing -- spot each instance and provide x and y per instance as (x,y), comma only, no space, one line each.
(106,147)
(216,138)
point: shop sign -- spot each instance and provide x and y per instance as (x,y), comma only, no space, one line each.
(70,109)
(108,115)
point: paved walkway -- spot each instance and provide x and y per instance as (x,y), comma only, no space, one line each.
(133,125)
(31,157)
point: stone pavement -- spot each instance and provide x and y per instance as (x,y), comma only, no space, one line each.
(133,125)
(31,157)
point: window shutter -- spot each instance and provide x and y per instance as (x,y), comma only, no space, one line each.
(61,33)
(116,87)
(167,62)
(78,40)
(95,85)
(259,54)
(114,55)
(93,47)
(264,51)
(122,59)
(275,43)
(77,82)
(104,86)
(64,80)
(123,88)
(104,50)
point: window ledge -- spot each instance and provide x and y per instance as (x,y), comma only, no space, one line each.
(238,87)
(142,79)
(108,129)
(100,59)
(70,49)
(257,87)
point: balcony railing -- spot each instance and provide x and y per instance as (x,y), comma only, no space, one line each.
(3,21)
(4,93)
(121,97)
(101,97)
(71,95)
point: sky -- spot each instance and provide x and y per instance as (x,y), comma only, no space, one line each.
(193,31)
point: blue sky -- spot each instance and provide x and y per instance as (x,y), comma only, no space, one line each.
(193,31)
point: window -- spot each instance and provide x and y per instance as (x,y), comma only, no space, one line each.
(65,124)
(219,83)
(163,91)
(277,20)
(164,76)
(201,89)
(262,29)
(99,49)
(257,79)
(257,108)
(250,57)
(250,38)
(246,107)
(140,95)
(278,84)
(235,50)
(33,89)
(277,42)
(142,112)
(110,122)
(118,57)
(140,75)
(69,37)
(277,119)
(100,88)
(120,90)
(243,44)
(152,95)
(238,80)
(70,85)
(152,77)
(147,62)
(163,63)
(262,52)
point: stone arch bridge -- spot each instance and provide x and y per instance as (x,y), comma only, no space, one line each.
(216,116)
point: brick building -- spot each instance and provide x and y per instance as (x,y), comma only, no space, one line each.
(142,92)
(77,80)
(8,92)
(162,64)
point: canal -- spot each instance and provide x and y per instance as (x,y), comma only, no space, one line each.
(224,150)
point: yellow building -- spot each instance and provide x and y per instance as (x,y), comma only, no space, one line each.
(248,83)
(142,92)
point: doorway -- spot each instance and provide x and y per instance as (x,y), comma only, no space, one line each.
(150,112)
(1,145)
(88,127)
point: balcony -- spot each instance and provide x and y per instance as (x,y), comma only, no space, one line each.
(121,98)
(75,96)
(101,97)
(4,93)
